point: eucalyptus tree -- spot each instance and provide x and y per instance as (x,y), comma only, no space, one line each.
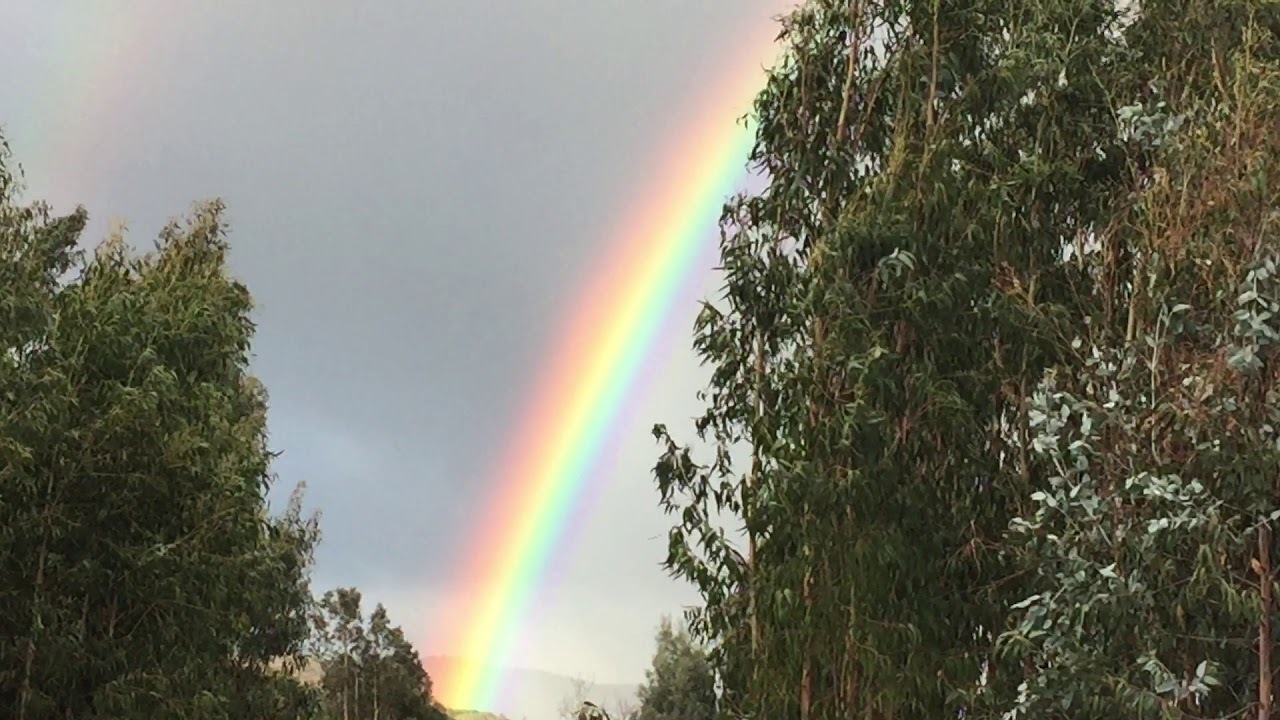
(891,296)
(370,669)
(679,684)
(999,338)
(142,574)
(1152,545)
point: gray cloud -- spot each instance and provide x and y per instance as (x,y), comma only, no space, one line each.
(418,191)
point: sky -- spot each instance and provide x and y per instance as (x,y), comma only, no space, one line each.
(418,191)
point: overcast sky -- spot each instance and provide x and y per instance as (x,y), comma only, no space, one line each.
(417,191)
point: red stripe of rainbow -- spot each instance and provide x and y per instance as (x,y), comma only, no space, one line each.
(595,365)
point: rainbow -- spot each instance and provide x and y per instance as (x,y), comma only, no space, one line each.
(592,372)
(597,357)
(105,54)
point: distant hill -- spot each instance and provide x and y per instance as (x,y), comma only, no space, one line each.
(474,715)
(310,673)
(537,694)
(531,694)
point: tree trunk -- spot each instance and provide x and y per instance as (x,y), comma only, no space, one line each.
(29,652)
(747,499)
(1264,626)
(346,685)
(817,451)
(806,668)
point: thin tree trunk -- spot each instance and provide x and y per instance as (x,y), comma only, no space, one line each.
(852,667)
(806,668)
(850,675)
(1264,626)
(748,499)
(29,652)
(346,684)
(806,591)
(851,65)
(817,452)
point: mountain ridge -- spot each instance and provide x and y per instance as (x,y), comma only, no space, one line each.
(533,694)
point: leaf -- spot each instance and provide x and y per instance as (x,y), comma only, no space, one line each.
(1026,602)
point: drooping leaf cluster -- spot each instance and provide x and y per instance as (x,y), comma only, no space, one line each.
(971,208)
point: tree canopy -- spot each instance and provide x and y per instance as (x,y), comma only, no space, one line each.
(143,572)
(680,684)
(998,336)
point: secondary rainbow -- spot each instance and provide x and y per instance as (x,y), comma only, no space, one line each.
(596,361)
(95,58)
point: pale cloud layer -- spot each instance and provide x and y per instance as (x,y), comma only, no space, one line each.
(418,191)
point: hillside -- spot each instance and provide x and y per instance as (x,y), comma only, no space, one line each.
(539,695)
(531,694)
(475,715)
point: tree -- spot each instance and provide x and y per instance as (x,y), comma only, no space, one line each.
(680,685)
(344,624)
(579,695)
(1152,546)
(983,224)
(888,296)
(590,711)
(577,704)
(370,670)
(143,574)
(623,709)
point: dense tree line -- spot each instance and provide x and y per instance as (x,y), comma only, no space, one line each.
(141,574)
(999,340)
(369,670)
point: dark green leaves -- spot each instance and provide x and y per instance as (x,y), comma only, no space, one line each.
(143,576)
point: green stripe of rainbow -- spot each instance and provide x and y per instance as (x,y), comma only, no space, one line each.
(595,365)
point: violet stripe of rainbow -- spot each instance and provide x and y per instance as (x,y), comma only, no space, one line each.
(595,367)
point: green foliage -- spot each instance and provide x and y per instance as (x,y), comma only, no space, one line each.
(370,671)
(1152,541)
(143,575)
(888,295)
(680,685)
(984,223)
